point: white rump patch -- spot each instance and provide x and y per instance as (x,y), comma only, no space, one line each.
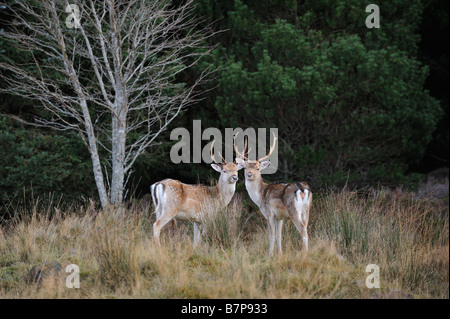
(301,204)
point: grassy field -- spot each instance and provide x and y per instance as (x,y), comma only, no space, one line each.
(117,258)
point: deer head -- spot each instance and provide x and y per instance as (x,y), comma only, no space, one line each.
(228,171)
(253,168)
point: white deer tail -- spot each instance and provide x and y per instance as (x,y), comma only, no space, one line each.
(157,191)
(302,204)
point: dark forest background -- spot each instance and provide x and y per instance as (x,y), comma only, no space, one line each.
(353,105)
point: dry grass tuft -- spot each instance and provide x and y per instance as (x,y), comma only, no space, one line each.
(117,257)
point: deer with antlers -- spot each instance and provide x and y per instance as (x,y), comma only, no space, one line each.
(277,201)
(176,200)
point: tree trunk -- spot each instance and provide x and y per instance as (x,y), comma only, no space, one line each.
(97,168)
(118,152)
(98,175)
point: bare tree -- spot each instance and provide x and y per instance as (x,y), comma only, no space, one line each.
(107,69)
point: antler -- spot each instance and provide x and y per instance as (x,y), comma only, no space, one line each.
(271,149)
(243,151)
(212,155)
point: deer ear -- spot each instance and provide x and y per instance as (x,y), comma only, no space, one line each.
(217,168)
(240,163)
(264,165)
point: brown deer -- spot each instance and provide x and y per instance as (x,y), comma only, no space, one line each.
(277,201)
(176,200)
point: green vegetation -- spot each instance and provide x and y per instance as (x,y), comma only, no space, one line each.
(43,162)
(350,103)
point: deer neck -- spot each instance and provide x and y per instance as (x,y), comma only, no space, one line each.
(255,189)
(225,191)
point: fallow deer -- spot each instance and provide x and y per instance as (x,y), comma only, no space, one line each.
(277,201)
(176,200)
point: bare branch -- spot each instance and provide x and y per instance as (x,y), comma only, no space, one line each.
(118,73)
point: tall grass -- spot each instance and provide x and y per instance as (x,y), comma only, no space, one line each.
(117,257)
(224,227)
(408,239)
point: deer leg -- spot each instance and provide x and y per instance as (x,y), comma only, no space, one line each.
(272,233)
(304,234)
(301,227)
(163,219)
(197,234)
(279,227)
